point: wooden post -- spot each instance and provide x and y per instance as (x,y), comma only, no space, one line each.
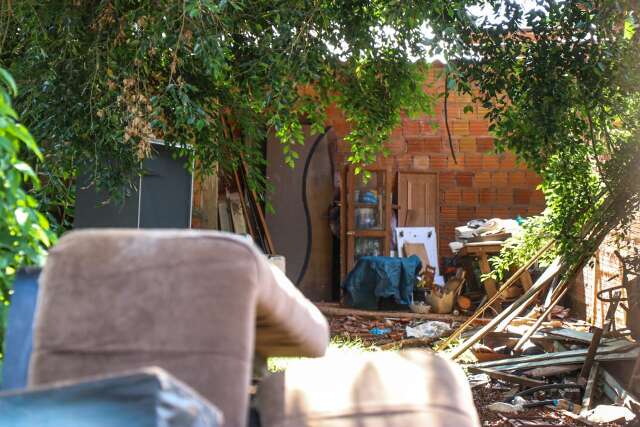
(209,197)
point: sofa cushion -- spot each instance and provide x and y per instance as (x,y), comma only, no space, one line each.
(409,388)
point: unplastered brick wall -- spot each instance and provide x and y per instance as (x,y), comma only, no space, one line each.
(479,183)
(602,272)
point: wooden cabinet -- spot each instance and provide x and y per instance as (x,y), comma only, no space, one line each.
(366,219)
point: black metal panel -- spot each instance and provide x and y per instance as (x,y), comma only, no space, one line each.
(161,199)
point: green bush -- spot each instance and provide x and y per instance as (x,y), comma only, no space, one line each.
(24,232)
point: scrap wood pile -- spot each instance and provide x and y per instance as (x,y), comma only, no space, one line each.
(589,374)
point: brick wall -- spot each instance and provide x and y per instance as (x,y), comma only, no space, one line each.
(482,184)
(603,272)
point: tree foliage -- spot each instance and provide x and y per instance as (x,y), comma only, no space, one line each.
(24,232)
(103,78)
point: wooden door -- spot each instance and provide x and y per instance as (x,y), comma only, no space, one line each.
(417,199)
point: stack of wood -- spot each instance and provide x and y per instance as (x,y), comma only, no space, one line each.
(240,210)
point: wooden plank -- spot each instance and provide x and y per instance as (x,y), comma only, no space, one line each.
(587,399)
(224,215)
(510,378)
(617,393)
(419,250)
(630,355)
(263,223)
(526,281)
(490,326)
(557,355)
(209,194)
(536,325)
(417,199)
(334,310)
(490,286)
(237,218)
(245,212)
(569,334)
(590,358)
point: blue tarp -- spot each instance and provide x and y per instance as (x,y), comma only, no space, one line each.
(17,351)
(376,277)
(148,398)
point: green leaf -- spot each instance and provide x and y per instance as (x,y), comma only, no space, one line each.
(9,82)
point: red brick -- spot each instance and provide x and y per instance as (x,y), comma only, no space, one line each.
(533,178)
(411,127)
(464,179)
(404,162)
(425,145)
(484,144)
(504,196)
(451,197)
(466,213)
(487,196)
(499,179)
(531,211)
(459,127)
(537,198)
(521,196)
(469,197)
(396,145)
(501,213)
(484,212)
(446,180)
(397,132)
(473,161)
(421,162)
(482,179)
(438,161)
(449,213)
(508,161)
(478,127)
(517,178)
(467,145)
(458,163)
(490,162)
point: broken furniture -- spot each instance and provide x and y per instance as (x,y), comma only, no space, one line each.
(148,397)
(374,389)
(195,303)
(482,250)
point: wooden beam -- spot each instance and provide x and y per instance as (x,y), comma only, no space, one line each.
(591,355)
(558,355)
(224,215)
(587,399)
(536,325)
(209,197)
(510,378)
(618,356)
(333,310)
(617,393)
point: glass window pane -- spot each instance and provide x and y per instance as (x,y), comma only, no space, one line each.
(368,246)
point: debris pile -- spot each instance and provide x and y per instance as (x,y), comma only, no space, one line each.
(562,376)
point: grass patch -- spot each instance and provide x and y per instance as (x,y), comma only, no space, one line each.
(337,345)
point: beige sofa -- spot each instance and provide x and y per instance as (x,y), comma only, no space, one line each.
(195,303)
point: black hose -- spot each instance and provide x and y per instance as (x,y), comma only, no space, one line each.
(548,387)
(305,203)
